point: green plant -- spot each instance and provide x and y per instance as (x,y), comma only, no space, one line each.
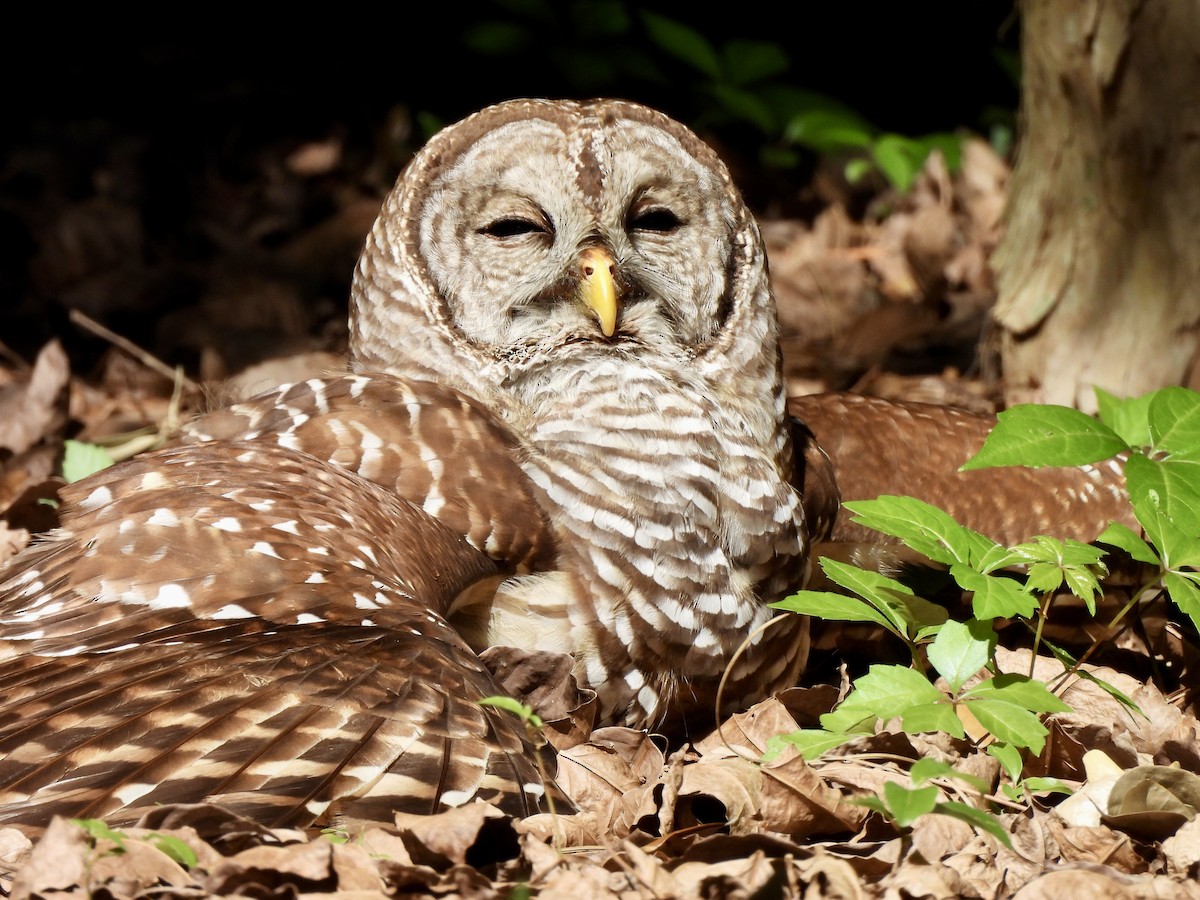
(534,730)
(1159,434)
(597,45)
(169,845)
(738,83)
(902,806)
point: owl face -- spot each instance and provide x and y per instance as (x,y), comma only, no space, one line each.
(571,231)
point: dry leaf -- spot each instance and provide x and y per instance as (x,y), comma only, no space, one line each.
(31,410)
(1152,802)
(1182,849)
(305,867)
(57,863)
(478,830)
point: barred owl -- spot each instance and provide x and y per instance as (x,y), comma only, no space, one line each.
(566,429)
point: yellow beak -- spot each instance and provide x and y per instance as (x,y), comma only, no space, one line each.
(597,289)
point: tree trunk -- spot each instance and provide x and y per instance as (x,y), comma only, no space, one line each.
(1099,269)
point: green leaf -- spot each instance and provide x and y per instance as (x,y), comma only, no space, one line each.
(827,130)
(995,596)
(927,767)
(1039,785)
(884,593)
(852,720)
(1160,488)
(1129,418)
(873,803)
(921,526)
(1123,537)
(885,692)
(1037,435)
(516,707)
(810,743)
(683,42)
(1109,689)
(1022,690)
(750,61)
(1009,758)
(1175,422)
(899,158)
(1053,562)
(927,717)
(780,158)
(906,805)
(961,649)
(1010,723)
(1185,594)
(1013,792)
(889,690)
(1058,552)
(924,616)
(857,169)
(81,460)
(978,818)
(789,102)
(999,557)
(1043,578)
(1085,585)
(174,848)
(99,830)
(832,607)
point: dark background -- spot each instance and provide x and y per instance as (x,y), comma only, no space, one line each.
(169,119)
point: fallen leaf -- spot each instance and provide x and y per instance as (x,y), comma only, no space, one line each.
(476,833)
(1152,802)
(31,410)
(58,862)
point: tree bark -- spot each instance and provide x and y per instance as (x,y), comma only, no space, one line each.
(1099,269)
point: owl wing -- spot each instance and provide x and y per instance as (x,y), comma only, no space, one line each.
(244,623)
(422,441)
(844,437)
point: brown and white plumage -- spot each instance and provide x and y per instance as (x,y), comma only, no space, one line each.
(661,449)
(566,429)
(250,627)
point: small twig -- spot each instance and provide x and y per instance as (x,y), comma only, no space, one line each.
(83,320)
(736,751)
(13,357)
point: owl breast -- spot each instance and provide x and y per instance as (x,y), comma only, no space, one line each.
(675,528)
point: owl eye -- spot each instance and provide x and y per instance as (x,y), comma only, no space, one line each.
(656,219)
(510,227)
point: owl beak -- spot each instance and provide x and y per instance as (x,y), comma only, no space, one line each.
(597,289)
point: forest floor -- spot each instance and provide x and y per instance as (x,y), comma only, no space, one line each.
(241,277)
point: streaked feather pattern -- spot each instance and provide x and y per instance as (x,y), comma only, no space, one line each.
(289,697)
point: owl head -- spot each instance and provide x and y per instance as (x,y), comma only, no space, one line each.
(535,233)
